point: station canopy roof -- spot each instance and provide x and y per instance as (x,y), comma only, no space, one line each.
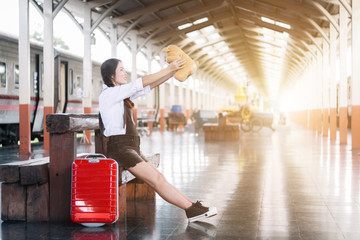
(266,42)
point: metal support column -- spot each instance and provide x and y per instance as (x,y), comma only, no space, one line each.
(134,53)
(48,80)
(162,100)
(308,98)
(181,95)
(193,95)
(151,103)
(343,112)
(181,101)
(355,76)
(172,92)
(325,88)
(113,41)
(24,78)
(313,83)
(187,99)
(319,93)
(199,98)
(87,68)
(333,95)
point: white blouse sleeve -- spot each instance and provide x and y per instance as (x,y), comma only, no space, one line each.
(141,92)
(119,93)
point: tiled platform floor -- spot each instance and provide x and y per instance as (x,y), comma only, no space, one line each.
(287,184)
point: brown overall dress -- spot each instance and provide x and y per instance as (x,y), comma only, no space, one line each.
(125,149)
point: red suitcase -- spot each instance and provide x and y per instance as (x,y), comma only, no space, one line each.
(94,190)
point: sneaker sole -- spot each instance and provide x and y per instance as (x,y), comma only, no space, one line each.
(212,212)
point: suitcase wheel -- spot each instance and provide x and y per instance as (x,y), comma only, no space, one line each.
(92,224)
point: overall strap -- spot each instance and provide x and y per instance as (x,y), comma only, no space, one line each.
(101,125)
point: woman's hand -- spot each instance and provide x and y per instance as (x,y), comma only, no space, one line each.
(177,64)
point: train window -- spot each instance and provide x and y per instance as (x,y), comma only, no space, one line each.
(2,75)
(42,76)
(35,78)
(78,85)
(16,76)
(78,82)
(71,81)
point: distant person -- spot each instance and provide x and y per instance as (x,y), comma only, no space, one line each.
(123,145)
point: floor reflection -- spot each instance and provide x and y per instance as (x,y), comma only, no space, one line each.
(104,233)
(287,184)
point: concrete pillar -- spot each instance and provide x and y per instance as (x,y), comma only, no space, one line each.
(151,103)
(181,102)
(134,53)
(181,95)
(24,78)
(313,102)
(193,94)
(172,92)
(305,95)
(209,94)
(133,49)
(162,98)
(187,100)
(308,81)
(307,100)
(325,88)
(87,68)
(355,76)
(113,41)
(200,96)
(333,96)
(205,95)
(343,113)
(48,80)
(319,93)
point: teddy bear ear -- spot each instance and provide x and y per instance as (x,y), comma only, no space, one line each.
(165,49)
(197,63)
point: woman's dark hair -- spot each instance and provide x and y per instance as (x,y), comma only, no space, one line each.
(108,69)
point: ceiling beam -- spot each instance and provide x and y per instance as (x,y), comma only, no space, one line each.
(294,7)
(147,10)
(292,21)
(180,17)
(327,14)
(211,21)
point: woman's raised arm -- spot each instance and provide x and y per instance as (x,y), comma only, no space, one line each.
(155,79)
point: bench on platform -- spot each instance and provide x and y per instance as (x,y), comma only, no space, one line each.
(222,131)
(175,120)
(40,189)
(25,190)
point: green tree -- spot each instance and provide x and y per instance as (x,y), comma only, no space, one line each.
(58,42)
(37,36)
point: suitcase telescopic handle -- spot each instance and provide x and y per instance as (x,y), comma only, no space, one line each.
(95,155)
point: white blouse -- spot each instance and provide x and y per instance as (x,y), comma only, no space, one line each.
(111,104)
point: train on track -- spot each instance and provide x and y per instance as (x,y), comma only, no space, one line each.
(68,87)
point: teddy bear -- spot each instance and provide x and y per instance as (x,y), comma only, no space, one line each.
(173,52)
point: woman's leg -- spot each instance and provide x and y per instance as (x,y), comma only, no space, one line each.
(181,193)
(148,173)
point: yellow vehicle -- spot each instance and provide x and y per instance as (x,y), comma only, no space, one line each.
(250,120)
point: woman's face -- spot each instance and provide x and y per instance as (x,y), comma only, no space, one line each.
(120,75)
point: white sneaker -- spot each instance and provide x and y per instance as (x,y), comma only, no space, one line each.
(197,211)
